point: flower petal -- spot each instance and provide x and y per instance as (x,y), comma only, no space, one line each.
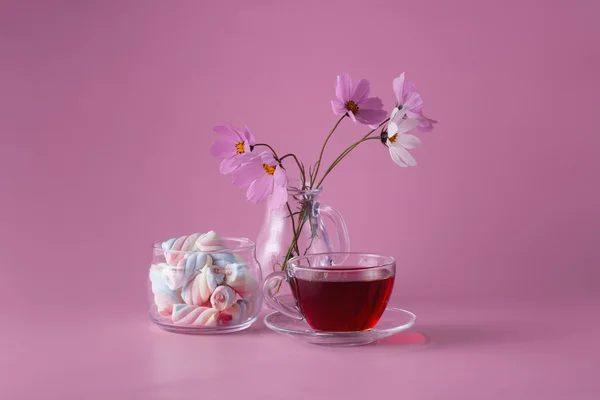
(280,177)
(396,157)
(409,141)
(229,132)
(406,125)
(223,149)
(398,86)
(401,156)
(248,173)
(392,128)
(425,124)
(360,91)
(280,194)
(343,87)
(351,115)
(338,107)
(409,87)
(369,117)
(371,103)
(260,189)
(413,102)
(228,165)
(398,115)
(249,137)
(412,114)
(244,158)
(402,88)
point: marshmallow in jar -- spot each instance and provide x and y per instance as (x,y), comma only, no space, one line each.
(202,283)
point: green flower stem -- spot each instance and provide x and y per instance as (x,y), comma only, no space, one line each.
(293,226)
(347,151)
(296,237)
(299,167)
(270,148)
(318,164)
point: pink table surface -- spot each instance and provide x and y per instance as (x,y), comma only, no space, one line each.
(455,351)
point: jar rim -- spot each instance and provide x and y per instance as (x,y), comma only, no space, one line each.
(243,243)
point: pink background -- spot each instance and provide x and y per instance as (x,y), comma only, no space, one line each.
(106,111)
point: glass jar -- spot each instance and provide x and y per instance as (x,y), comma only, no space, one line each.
(216,290)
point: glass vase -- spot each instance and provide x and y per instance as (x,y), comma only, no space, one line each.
(299,228)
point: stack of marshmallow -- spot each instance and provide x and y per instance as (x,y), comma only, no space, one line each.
(195,287)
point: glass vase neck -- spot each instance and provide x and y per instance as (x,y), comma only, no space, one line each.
(294,191)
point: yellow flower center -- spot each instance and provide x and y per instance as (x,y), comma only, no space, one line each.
(240,148)
(393,138)
(269,169)
(351,106)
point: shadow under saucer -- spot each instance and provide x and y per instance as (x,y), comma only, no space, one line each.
(471,334)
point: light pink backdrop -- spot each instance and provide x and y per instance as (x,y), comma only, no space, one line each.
(106,111)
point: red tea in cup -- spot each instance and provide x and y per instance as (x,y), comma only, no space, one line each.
(342,305)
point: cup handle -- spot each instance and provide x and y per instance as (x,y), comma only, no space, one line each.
(270,283)
(340,227)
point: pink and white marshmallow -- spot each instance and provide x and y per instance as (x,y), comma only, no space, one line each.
(186,269)
(199,290)
(184,314)
(222,298)
(164,296)
(210,241)
(239,277)
(175,248)
(235,313)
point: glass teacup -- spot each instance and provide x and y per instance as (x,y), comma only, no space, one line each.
(339,292)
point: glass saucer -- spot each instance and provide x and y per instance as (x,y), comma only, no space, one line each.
(392,321)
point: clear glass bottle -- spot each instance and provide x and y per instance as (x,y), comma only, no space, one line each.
(217,291)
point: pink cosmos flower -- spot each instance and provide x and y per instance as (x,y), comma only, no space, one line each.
(265,177)
(233,147)
(354,100)
(409,100)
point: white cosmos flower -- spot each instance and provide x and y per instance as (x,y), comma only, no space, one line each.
(398,140)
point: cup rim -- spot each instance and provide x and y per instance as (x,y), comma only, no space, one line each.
(245,244)
(390,261)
